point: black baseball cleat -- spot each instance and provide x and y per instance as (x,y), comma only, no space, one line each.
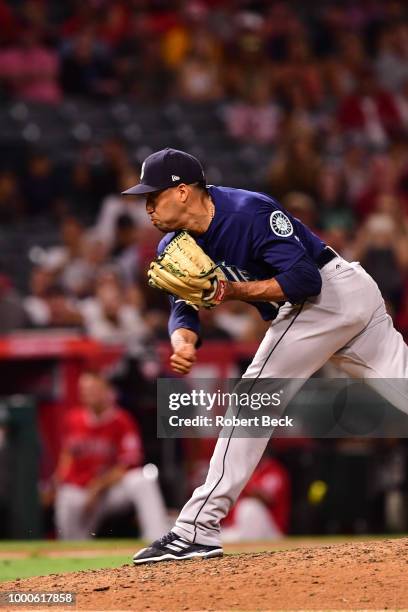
(172,547)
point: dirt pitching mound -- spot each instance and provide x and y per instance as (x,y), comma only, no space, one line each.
(363,575)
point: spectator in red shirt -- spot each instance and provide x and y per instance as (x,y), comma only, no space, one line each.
(100,467)
(262,510)
(370,111)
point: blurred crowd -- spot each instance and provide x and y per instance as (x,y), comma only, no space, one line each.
(322,93)
(259,52)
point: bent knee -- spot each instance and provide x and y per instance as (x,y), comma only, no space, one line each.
(142,476)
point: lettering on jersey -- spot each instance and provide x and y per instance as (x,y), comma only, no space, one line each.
(233,273)
(280,224)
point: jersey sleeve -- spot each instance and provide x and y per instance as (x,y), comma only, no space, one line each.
(181,314)
(130,451)
(71,421)
(276,243)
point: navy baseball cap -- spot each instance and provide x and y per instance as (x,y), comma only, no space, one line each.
(167,168)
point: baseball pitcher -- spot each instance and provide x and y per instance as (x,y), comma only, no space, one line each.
(232,244)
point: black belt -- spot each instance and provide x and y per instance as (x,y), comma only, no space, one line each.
(325,256)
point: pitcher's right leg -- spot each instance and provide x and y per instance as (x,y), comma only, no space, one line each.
(300,341)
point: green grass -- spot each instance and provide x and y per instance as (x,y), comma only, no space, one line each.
(37,563)
(38,545)
(10,569)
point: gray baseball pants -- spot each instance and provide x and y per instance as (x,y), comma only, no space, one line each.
(346,323)
(134,489)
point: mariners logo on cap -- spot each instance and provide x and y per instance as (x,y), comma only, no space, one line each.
(280,224)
